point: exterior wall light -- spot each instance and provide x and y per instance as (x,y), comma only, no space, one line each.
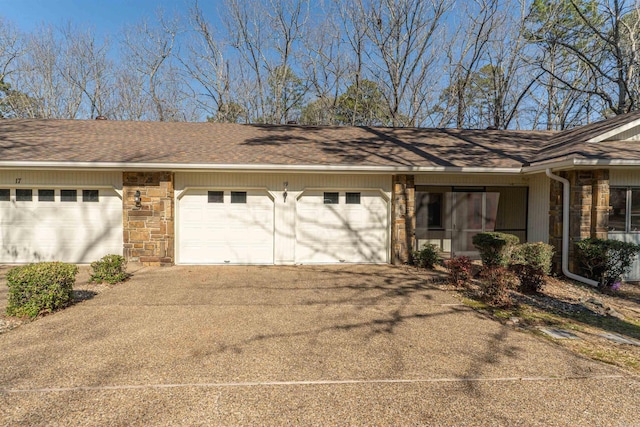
(284,193)
(136,198)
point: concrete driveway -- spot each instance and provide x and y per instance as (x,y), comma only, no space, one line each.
(298,345)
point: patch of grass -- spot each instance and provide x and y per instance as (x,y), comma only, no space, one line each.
(627,327)
(479,305)
(611,355)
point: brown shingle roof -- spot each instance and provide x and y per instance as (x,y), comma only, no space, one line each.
(572,143)
(234,144)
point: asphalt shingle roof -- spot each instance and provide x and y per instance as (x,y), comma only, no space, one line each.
(212,144)
(235,144)
(572,143)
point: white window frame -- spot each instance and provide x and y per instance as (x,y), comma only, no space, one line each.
(628,202)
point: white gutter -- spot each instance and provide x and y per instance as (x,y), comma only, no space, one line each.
(585,163)
(565,230)
(248,167)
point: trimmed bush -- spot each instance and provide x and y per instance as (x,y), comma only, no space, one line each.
(40,288)
(495,284)
(459,270)
(605,261)
(495,248)
(110,269)
(427,257)
(532,263)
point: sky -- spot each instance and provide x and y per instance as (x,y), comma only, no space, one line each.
(105,17)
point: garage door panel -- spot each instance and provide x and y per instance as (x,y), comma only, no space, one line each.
(75,232)
(218,233)
(341,232)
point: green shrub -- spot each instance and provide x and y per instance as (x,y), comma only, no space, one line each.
(40,288)
(459,270)
(495,284)
(495,248)
(110,269)
(532,263)
(427,257)
(605,261)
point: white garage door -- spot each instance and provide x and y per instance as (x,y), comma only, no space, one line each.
(70,225)
(225,227)
(339,226)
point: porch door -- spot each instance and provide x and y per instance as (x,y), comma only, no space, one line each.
(472,213)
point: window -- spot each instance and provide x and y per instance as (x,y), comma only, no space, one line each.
(624,210)
(634,214)
(5,195)
(238,197)
(618,209)
(46,196)
(434,210)
(90,195)
(68,195)
(353,198)
(215,196)
(330,198)
(23,195)
(430,206)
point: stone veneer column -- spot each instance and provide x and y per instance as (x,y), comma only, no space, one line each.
(600,207)
(555,222)
(149,229)
(403,221)
(588,210)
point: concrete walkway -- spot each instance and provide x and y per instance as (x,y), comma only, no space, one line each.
(299,345)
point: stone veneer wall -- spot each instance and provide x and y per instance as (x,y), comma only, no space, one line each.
(403,220)
(588,211)
(149,229)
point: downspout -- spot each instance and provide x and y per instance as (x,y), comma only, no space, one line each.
(565,230)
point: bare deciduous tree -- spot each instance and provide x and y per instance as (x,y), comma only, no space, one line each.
(465,54)
(402,35)
(149,50)
(207,65)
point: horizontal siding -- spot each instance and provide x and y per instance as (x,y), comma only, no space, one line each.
(538,220)
(632,134)
(35,179)
(275,182)
(469,179)
(630,177)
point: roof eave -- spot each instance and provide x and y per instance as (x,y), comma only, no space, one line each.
(582,163)
(269,168)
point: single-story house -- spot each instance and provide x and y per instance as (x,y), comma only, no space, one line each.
(215,193)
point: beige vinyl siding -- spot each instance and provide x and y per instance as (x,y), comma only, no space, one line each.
(285,210)
(632,134)
(538,224)
(469,179)
(624,177)
(36,179)
(274,181)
